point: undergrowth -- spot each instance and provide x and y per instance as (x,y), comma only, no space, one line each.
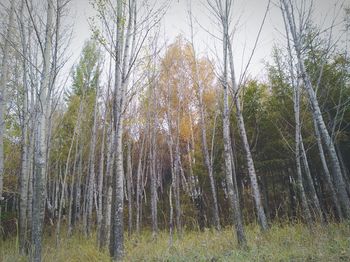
(280,243)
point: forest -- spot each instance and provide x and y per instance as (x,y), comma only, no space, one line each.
(145,149)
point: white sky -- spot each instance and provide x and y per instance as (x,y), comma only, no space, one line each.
(248,12)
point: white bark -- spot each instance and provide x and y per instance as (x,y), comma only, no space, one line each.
(207,161)
(327,174)
(229,165)
(312,189)
(41,149)
(101,179)
(23,180)
(121,81)
(91,177)
(287,10)
(305,206)
(129,188)
(107,196)
(241,127)
(3,84)
(138,187)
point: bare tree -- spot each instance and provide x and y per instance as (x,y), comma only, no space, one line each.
(222,11)
(91,178)
(121,35)
(138,185)
(101,173)
(289,10)
(3,84)
(207,160)
(24,178)
(41,141)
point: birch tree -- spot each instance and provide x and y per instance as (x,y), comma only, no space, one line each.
(127,36)
(24,178)
(296,27)
(207,160)
(3,84)
(41,141)
(222,13)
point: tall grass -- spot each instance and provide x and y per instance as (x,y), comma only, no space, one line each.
(280,243)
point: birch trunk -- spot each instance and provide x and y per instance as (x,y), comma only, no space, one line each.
(23,180)
(229,165)
(77,201)
(64,182)
(317,115)
(336,170)
(304,203)
(71,212)
(171,216)
(312,189)
(117,214)
(129,188)
(31,154)
(177,181)
(205,151)
(30,178)
(154,189)
(41,149)
(107,196)
(91,181)
(327,173)
(3,84)
(138,187)
(100,180)
(153,147)
(241,127)
(204,145)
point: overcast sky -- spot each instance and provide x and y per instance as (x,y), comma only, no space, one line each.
(248,14)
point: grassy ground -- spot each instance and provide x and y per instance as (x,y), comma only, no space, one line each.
(281,243)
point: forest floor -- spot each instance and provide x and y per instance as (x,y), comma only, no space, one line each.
(280,243)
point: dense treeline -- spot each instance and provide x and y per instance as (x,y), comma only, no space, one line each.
(142,135)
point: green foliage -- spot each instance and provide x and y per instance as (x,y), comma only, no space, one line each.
(86,77)
(87,72)
(281,243)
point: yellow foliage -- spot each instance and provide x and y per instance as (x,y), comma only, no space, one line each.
(185,128)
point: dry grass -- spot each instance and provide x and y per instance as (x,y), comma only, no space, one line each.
(280,243)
